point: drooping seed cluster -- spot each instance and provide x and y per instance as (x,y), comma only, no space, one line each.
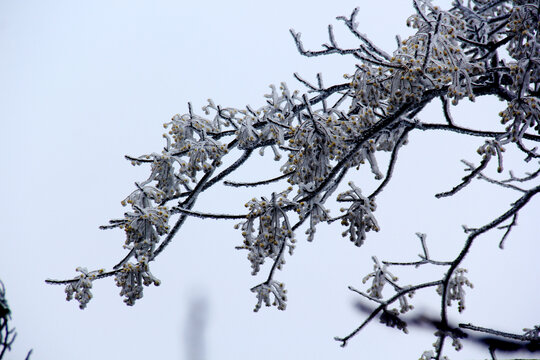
(267,231)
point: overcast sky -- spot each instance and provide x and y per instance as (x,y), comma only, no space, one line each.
(82,83)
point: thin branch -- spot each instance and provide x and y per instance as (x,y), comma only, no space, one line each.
(257,183)
(424,258)
(134,159)
(496,332)
(71,281)
(245,155)
(516,207)
(496,182)
(307,84)
(466,131)
(392,163)
(529,177)
(334,50)
(383,306)
(186,204)
(446,111)
(366,295)
(467,179)
(508,229)
(351,24)
(28,355)
(175,210)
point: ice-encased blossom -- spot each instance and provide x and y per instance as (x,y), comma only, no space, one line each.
(380,276)
(190,137)
(312,145)
(80,288)
(169,179)
(523,24)
(266,290)
(131,278)
(404,305)
(273,231)
(521,115)
(142,196)
(430,59)
(359,216)
(455,289)
(314,208)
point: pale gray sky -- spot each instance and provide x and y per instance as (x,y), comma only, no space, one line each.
(84,83)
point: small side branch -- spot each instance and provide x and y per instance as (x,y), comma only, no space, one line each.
(467,179)
(508,229)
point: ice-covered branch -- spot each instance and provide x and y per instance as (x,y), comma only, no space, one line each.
(321,135)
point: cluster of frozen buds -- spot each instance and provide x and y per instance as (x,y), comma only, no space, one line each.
(268,124)
(273,232)
(190,137)
(456,289)
(430,59)
(437,53)
(164,173)
(311,148)
(315,210)
(521,115)
(523,23)
(359,216)
(492,148)
(143,226)
(80,287)
(131,278)
(146,223)
(264,292)
(380,276)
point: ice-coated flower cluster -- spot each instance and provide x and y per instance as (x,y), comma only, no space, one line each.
(313,145)
(131,278)
(266,290)
(268,124)
(456,289)
(315,210)
(430,59)
(359,216)
(380,277)
(521,115)
(190,138)
(164,173)
(80,287)
(267,231)
(146,223)
(523,24)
